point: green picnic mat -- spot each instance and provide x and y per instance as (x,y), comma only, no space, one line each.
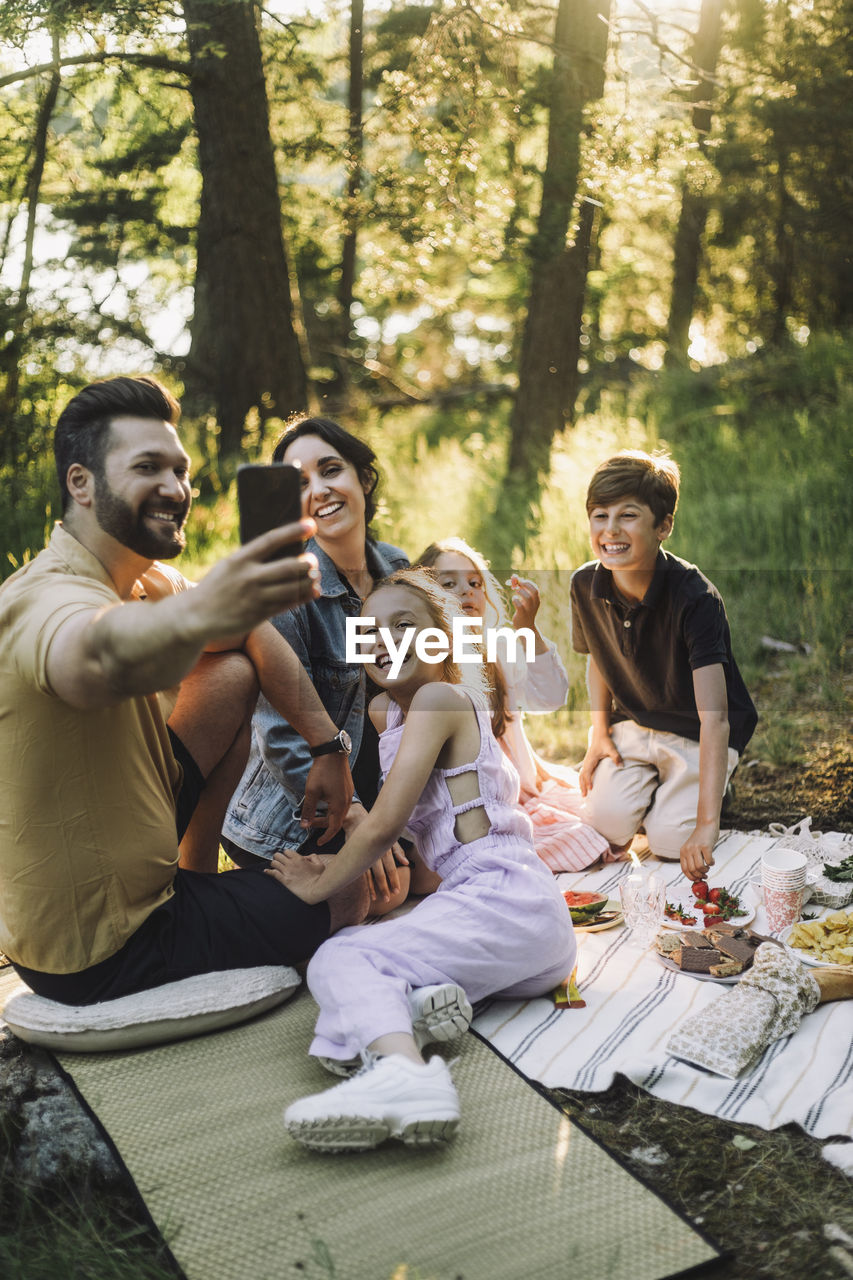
(521,1193)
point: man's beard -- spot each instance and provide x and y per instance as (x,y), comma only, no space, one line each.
(117,518)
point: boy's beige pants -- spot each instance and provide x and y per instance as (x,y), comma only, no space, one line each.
(657,788)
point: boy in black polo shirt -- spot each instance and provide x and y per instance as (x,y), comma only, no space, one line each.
(670,712)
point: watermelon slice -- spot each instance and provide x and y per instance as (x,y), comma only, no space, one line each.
(583,907)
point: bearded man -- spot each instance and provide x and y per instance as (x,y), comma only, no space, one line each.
(126,696)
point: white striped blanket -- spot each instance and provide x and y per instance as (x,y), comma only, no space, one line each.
(633,1003)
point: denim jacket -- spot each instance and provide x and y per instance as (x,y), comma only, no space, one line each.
(260,816)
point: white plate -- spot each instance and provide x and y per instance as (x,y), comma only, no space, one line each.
(804,956)
(686,903)
(594,927)
(702,977)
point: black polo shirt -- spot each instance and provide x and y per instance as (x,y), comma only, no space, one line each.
(647,651)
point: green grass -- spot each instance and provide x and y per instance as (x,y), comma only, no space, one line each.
(58,1237)
(765,452)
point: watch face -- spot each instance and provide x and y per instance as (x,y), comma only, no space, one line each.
(345,741)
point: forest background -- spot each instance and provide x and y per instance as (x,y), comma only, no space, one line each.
(500,240)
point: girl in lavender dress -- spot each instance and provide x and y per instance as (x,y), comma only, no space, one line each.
(496,925)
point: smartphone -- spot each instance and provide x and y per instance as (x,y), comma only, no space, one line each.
(269,495)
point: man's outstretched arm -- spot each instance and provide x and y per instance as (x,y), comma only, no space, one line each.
(99,657)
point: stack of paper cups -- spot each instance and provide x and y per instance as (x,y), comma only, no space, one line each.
(783,878)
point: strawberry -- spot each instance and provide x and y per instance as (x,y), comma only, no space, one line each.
(711,910)
(699,889)
(715,894)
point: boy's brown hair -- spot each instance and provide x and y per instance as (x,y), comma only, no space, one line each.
(650,478)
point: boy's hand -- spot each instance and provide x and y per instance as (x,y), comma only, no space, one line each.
(697,852)
(599,749)
(302,876)
(525,600)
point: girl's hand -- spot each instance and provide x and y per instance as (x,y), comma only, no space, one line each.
(383,879)
(302,876)
(599,749)
(525,600)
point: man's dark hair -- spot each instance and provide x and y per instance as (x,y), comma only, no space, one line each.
(83,427)
(348,446)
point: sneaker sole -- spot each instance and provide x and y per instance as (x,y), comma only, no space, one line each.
(445,1015)
(358,1133)
(345,1067)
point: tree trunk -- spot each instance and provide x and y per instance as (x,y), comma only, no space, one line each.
(244,353)
(783,260)
(547,384)
(12,352)
(355,145)
(687,248)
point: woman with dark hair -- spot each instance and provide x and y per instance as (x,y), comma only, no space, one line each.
(339,480)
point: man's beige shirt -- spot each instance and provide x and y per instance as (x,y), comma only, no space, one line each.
(88,846)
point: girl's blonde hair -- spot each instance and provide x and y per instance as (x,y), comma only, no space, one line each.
(496,616)
(442,608)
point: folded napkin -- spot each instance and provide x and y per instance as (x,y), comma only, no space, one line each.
(769,1002)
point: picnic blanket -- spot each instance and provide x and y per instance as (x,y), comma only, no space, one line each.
(521,1192)
(633,1003)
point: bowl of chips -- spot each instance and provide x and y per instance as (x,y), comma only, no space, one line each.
(828,941)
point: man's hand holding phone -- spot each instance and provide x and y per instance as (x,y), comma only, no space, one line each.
(247,587)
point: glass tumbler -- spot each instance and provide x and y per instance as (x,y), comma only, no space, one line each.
(643,900)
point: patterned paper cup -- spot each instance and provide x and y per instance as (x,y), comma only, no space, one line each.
(783,907)
(783,878)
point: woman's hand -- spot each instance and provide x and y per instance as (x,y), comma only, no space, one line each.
(302,876)
(329,783)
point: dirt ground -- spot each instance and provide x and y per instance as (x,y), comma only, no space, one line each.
(800,761)
(821,790)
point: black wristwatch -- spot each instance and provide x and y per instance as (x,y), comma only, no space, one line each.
(341,742)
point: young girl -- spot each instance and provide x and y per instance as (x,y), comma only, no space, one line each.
(496,924)
(550,793)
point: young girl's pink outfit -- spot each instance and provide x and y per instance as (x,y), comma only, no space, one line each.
(496,925)
(550,793)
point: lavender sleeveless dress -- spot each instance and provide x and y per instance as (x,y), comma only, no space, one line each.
(497,924)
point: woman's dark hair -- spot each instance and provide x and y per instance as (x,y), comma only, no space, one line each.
(348,446)
(82,429)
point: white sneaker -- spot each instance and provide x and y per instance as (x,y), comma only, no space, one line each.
(389,1098)
(440,1014)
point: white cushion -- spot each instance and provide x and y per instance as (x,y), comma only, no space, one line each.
(174,1011)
